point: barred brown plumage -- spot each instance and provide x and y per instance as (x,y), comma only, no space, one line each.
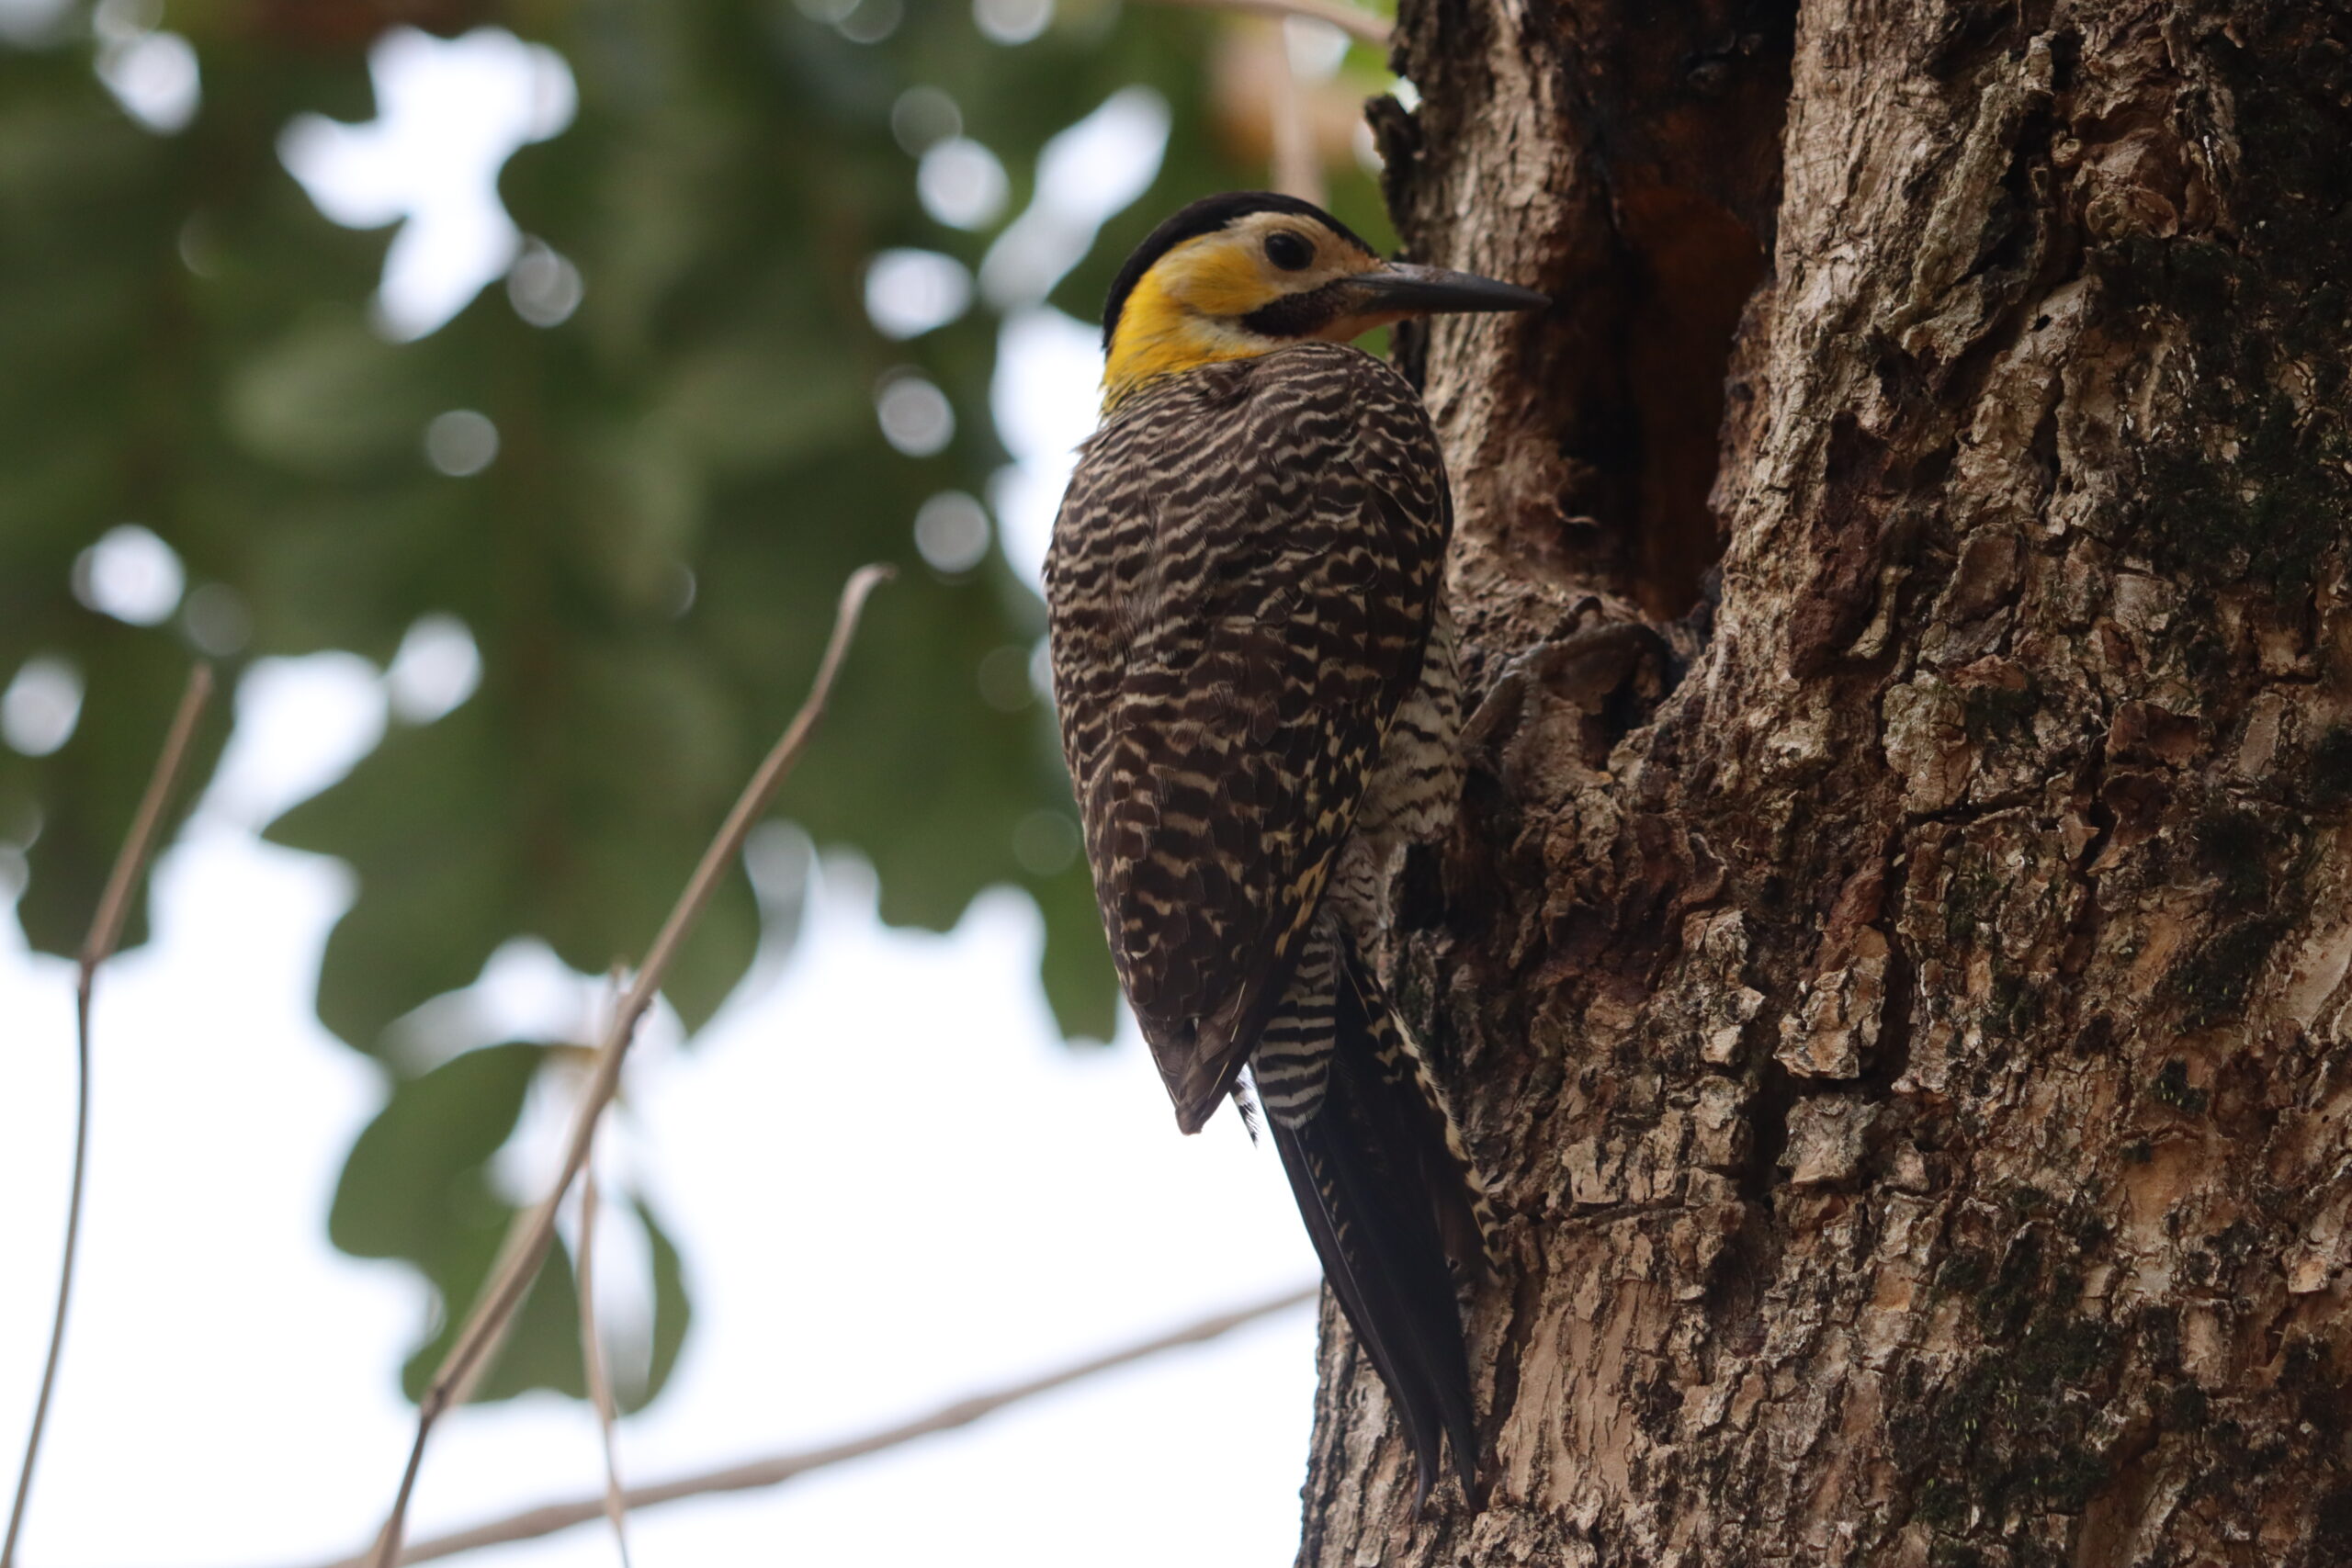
(1254,675)
(1242,588)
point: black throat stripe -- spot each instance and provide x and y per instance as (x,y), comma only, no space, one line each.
(1299,315)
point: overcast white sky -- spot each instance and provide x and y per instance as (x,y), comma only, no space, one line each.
(892,1183)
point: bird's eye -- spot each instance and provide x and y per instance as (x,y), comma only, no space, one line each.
(1288,251)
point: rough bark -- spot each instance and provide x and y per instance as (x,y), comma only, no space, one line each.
(1906,1011)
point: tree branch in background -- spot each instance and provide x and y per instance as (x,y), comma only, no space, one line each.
(592,1356)
(592,1344)
(494,1309)
(106,933)
(1360,25)
(532,1523)
(1297,169)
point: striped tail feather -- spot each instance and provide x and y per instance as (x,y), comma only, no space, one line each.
(1388,1201)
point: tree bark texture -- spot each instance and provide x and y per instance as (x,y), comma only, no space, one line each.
(1903,1010)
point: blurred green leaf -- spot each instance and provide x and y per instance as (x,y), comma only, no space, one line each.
(687,467)
(423,1162)
(417,1186)
(672,1315)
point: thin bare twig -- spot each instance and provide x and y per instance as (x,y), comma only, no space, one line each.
(1298,167)
(494,1310)
(1356,24)
(97,946)
(592,1358)
(510,1246)
(592,1344)
(531,1523)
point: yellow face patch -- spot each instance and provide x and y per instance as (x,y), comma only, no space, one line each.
(1191,308)
(1160,333)
(1215,277)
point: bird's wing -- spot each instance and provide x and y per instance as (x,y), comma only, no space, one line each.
(1243,578)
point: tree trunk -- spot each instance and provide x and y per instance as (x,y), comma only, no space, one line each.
(1903,1012)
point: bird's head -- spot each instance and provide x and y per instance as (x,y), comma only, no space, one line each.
(1250,272)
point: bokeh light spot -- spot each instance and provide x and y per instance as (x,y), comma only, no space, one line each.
(923,116)
(32,23)
(952,532)
(871,21)
(543,286)
(41,706)
(910,292)
(217,620)
(199,246)
(460,443)
(915,415)
(437,668)
(1044,843)
(1012,21)
(962,184)
(155,77)
(1316,49)
(131,575)
(120,21)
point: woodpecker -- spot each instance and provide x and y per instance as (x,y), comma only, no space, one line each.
(1254,674)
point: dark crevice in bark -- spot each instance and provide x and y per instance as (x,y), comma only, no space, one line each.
(1739,1287)
(1692,269)
(1970,38)
(1893,1057)
(1526,1311)
(1844,581)
(1677,114)
(1678,117)
(1767,1119)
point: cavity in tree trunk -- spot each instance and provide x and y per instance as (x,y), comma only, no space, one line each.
(1903,1006)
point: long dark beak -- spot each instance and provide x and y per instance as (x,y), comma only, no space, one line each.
(1403,287)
